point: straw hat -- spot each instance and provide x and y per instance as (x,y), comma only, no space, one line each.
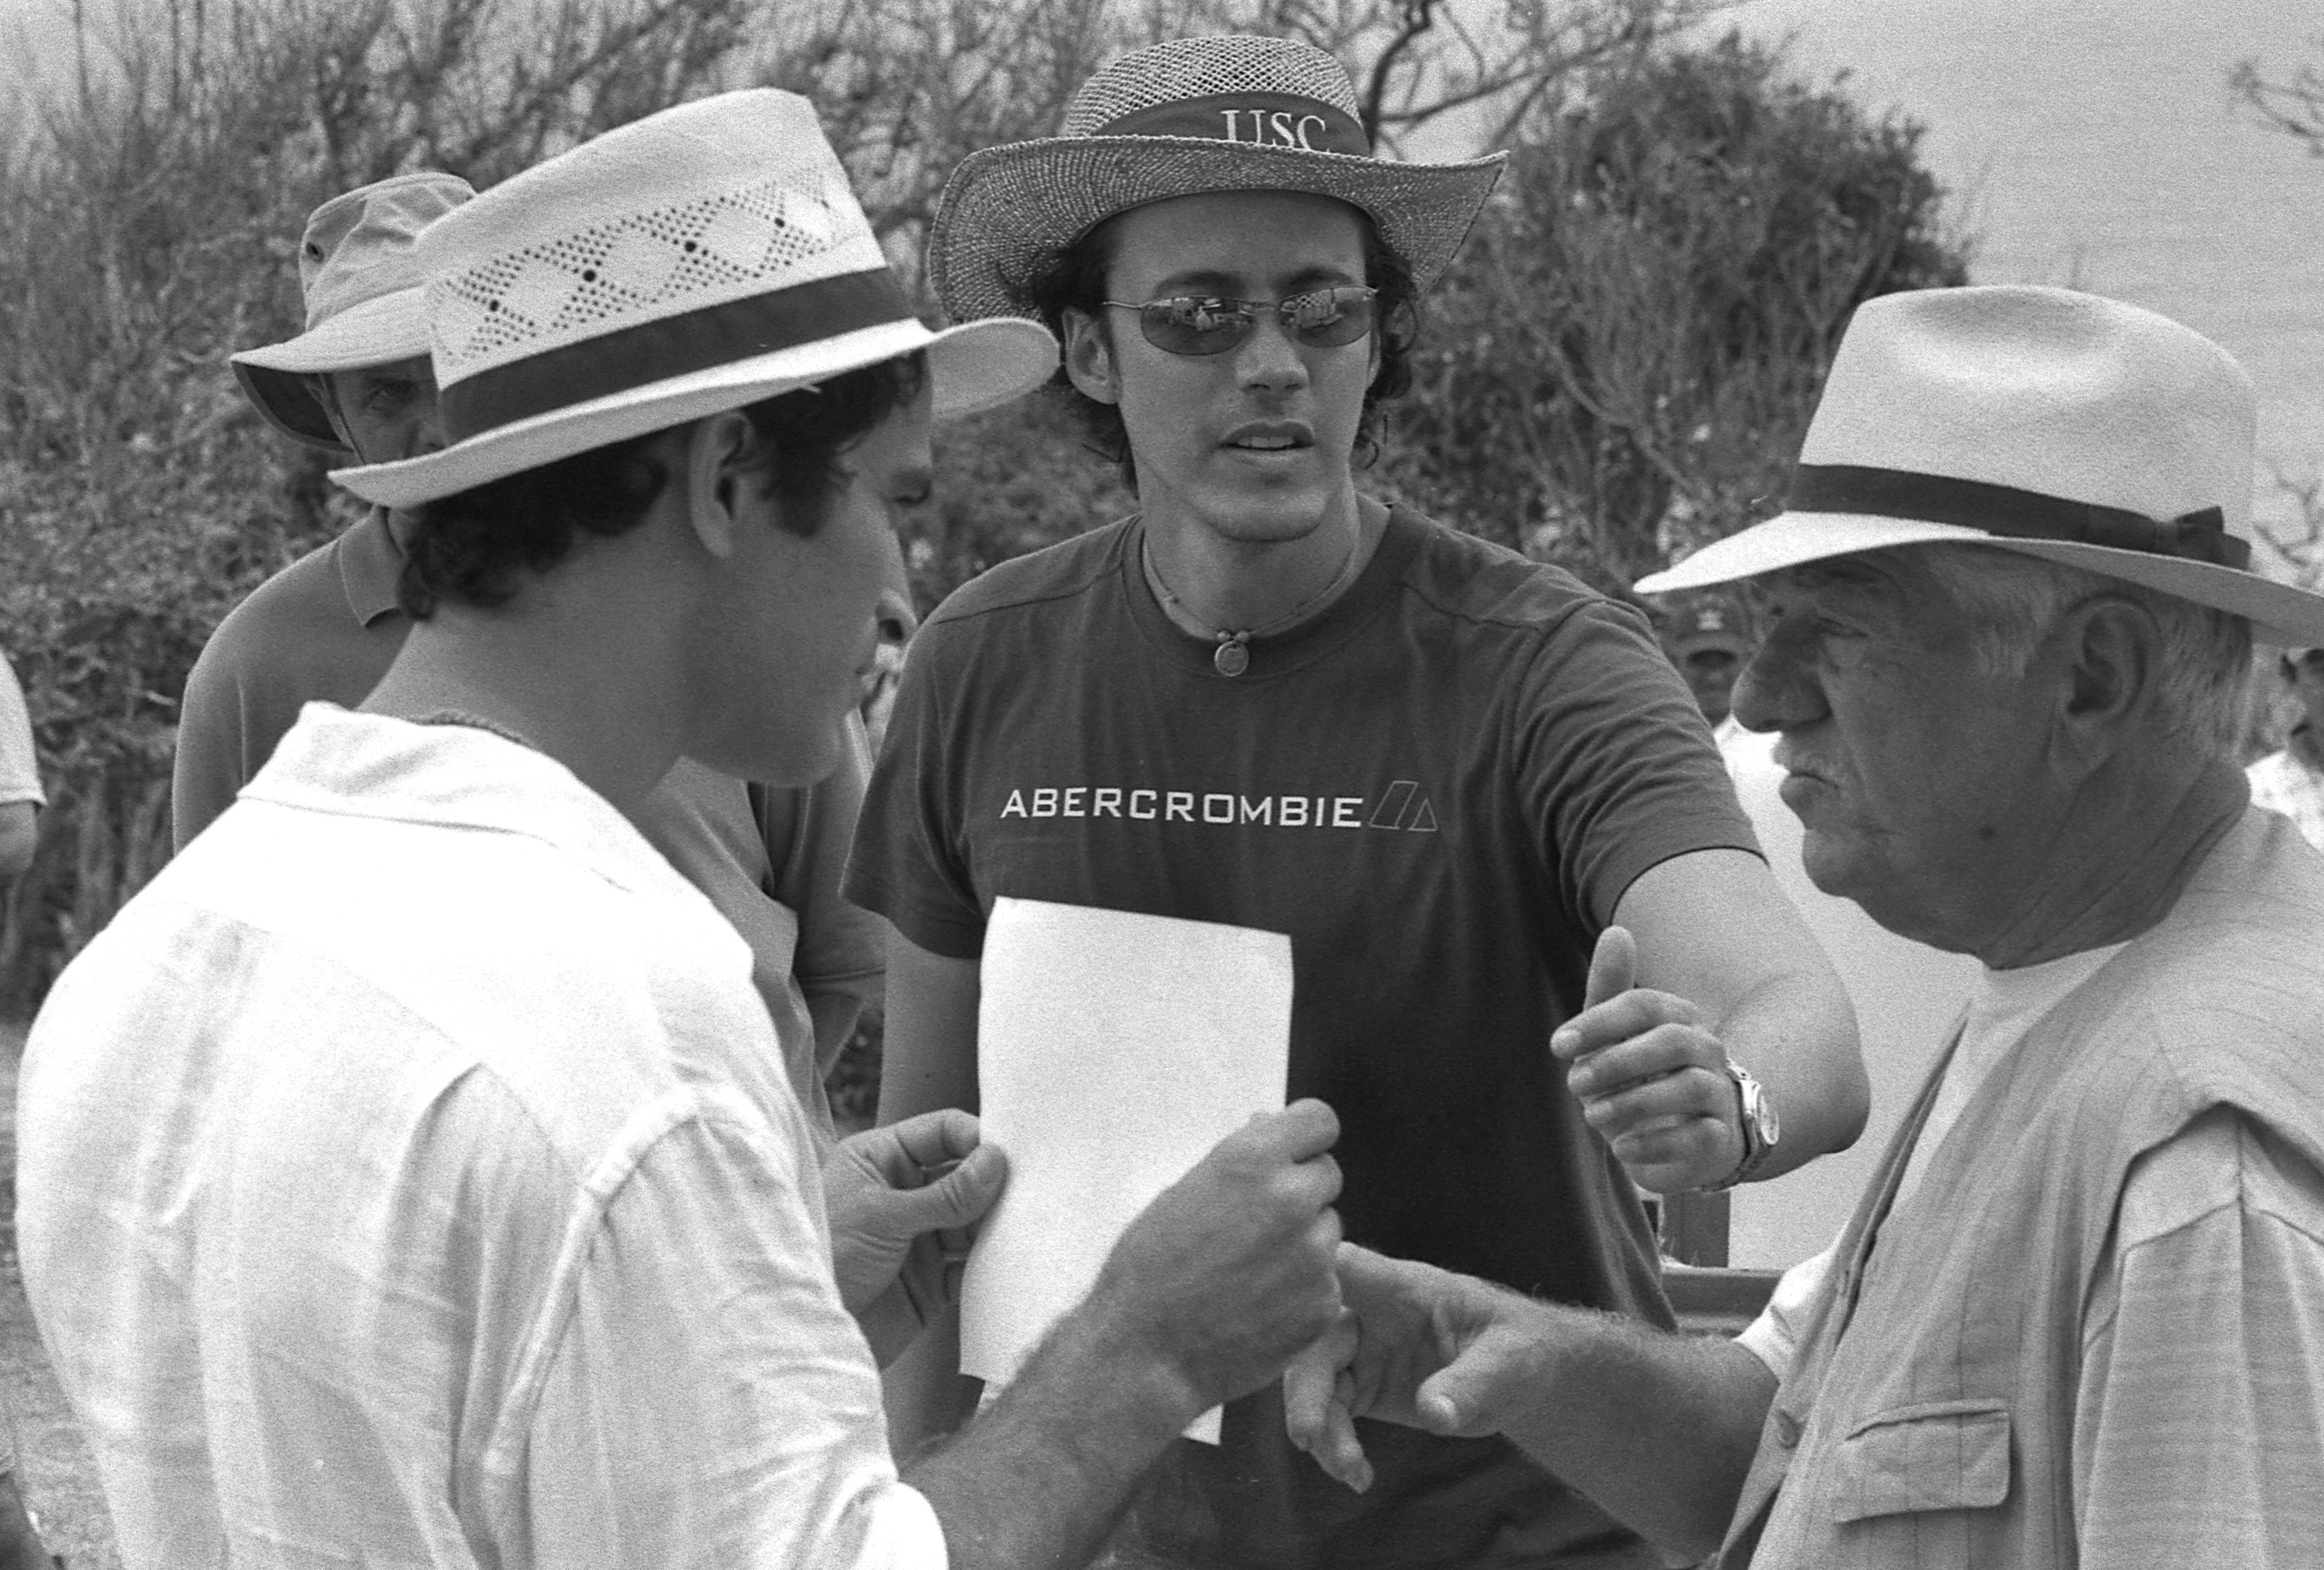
(696,260)
(1180,118)
(361,283)
(2044,421)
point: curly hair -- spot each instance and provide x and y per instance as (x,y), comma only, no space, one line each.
(470,547)
(1074,277)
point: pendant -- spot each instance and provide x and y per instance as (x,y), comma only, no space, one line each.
(1233,657)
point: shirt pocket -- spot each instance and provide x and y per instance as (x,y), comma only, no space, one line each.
(1931,1455)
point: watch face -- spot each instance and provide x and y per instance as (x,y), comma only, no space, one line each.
(1771,1127)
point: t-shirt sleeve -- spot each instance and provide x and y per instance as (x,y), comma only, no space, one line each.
(211,744)
(20,768)
(708,1402)
(1617,770)
(842,949)
(908,863)
(2199,1430)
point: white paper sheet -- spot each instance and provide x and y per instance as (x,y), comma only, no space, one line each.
(1113,1050)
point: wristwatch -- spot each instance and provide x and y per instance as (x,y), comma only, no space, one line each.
(1761,1127)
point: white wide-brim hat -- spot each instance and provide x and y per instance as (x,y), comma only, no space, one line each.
(694,261)
(2043,421)
(1184,118)
(359,280)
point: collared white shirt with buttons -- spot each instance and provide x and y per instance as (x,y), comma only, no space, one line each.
(407,1177)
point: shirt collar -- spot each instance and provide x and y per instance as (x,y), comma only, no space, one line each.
(371,565)
(368,765)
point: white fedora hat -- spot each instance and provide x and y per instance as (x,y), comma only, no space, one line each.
(360,279)
(2044,421)
(1191,115)
(696,260)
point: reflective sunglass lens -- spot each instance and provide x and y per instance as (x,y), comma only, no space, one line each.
(1190,326)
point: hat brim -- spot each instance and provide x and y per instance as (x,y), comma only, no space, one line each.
(378,332)
(2278,613)
(1007,211)
(973,367)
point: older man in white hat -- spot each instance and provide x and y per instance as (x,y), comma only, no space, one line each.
(2076,1318)
(407,1176)
(357,381)
(1271,702)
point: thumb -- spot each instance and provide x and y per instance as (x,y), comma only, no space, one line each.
(959,1198)
(1613,968)
(1467,1396)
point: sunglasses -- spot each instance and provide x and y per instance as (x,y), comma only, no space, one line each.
(1196,324)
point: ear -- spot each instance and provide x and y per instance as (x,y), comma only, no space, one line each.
(2114,646)
(1089,355)
(715,453)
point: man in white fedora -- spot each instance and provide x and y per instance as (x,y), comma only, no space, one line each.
(2076,1317)
(1270,701)
(358,383)
(407,1176)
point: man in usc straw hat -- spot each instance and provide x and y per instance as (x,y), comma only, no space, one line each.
(1271,702)
(2074,1317)
(328,627)
(413,1178)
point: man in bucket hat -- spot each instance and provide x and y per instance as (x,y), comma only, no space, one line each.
(405,1175)
(2074,1319)
(1269,701)
(357,381)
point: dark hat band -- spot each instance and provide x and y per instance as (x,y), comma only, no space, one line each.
(2197,536)
(1286,120)
(670,347)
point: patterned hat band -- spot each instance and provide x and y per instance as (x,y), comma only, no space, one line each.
(656,350)
(2004,509)
(1250,119)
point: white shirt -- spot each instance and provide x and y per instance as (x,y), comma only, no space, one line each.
(407,1178)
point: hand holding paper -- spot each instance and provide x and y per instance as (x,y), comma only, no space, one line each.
(1114,1050)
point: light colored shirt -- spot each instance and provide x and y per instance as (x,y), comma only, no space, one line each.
(20,770)
(2287,782)
(2203,1339)
(408,1177)
(327,628)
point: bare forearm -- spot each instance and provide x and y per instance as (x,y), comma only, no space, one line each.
(1797,1035)
(1658,1429)
(1039,1480)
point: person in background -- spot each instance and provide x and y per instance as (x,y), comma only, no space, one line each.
(2078,1315)
(357,382)
(1270,701)
(408,1178)
(2291,781)
(21,797)
(1708,637)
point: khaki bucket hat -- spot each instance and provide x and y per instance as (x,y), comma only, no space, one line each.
(359,275)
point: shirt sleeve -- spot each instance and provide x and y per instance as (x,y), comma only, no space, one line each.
(20,768)
(2199,1434)
(907,863)
(1773,1337)
(842,949)
(709,1402)
(1618,769)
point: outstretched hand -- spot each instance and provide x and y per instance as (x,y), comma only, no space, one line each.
(904,1201)
(1417,1345)
(1651,1077)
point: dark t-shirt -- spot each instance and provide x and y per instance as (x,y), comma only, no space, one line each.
(1439,789)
